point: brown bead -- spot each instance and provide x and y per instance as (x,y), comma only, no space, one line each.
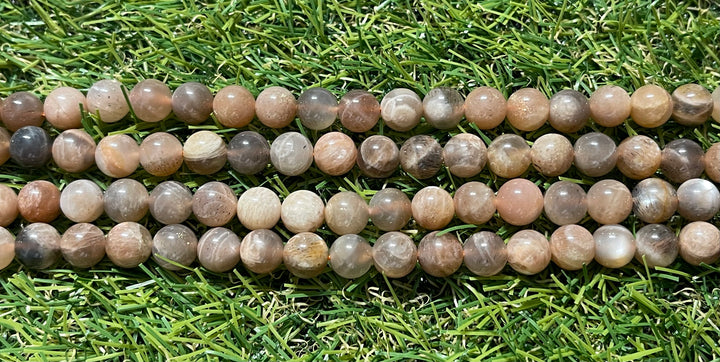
(565,203)
(83,245)
(572,246)
(528,252)
(698,200)
(275,107)
(474,203)
(519,202)
(486,107)
(595,154)
(7,248)
(126,200)
(82,201)
(161,154)
(62,108)
(261,251)
(440,255)
(151,100)
(609,202)
(128,244)
(214,204)
(421,156)
(552,154)
(234,106)
(350,256)
(485,253)
(117,155)
(358,111)
(712,162)
(654,200)
(394,254)
(219,250)
(465,155)
(639,157)
(682,159)
(378,156)
(346,213)
(614,246)
(651,106)
(248,153)
(716,104)
(401,109)
(192,103)
(306,255)
(656,245)
(106,98)
(509,156)
(432,208)
(291,154)
(335,153)
(170,202)
(443,107)
(302,211)
(569,111)
(317,108)
(39,201)
(692,104)
(390,209)
(8,206)
(174,243)
(527,109)
(205,152)
(21,109)
(699,242)
(74,150)
(37,246)
(609,106)
(4,145)
(258,208)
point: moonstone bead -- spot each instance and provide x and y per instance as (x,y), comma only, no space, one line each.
(509,156)
(378,156)
(440,255)
(528,252)
(192,102)
(275,107)
(117,155)
(609,202)
(21,109)
(692,104)
(261,251)
(305,255)
(716,104)
(390,209)
(569,111)
(394,254)
(486,107)
(317,108)
(176,243)
(358,111)
(650,106)
(83,245)
(126,200)
(346,213)
(421,156)
(350,256)
(74,150)
(443,107)
(291,153)
(595,154)
(82,201)
(302,211)
(37,246)
(485,253)
(30,147)
(248,153)
(465,155)
(572,246)
(214,204)
(654,200)
(205,152)
(639,157)
(614,246)
(401,109)
(519,202)
(161,154)
(335,153)
(62,108)
(219,250)
(527,109)
(4,145)
(258,208)
(609,106)
(698,200)
(474,203)
(9,205)
(432,208)
(128,244)
(657,245)
(565,203)
(151,100)
(682,159)
(699,242)
(712,162)
(170,202)
(552,154)
(106,98)
(39,201)
(234,106)
(7,248)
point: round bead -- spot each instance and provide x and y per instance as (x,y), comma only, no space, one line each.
(358,111)
(9,205)
(21,109)
(350,256)
(682,159)
(151,100)
(519,202)
(161,154)
(421,156)
(486,107)
(614,246)
(698,200)
(117,155)
(335,153)
(258,208)
(527,109)
(305,255)
(219,250)
(572,246)
(433,208)
(657,245)
(30,146)
(654,200)
(291,154)
(192,103)
(39,201)
(639,157)
(378,156)
(37,246)
(552,154)
(317,108)
(565,203)
(390,209)
(569,111)
(234,106)
(595,154)
(128,244)
(170,202)
(346,213)
(275,107)
(82,201)
(302,211)
(261,251)
(248,153)
(699,242)
(62,108)
(440,255)
(401,109)
(126,200)
(485,253)
(205,152)
(174,243)
(528,252)
(609,202)
(650,106)
(609,106)
(474,203)
(7,248)
(4,145)
(465,155)
(443,107)
(509,156)
(74,150)
(692,104)
(712,162)
(394,254)
(83,245)
(716,105)
(106,99)
(214,204)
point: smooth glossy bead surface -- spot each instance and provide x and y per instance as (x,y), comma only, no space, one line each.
(302,211)
(421,156)
(275,107)
(214,204)
(716,104)
(335,153)
(305,255)
(528,252)
(346,213)
(595,154)
(465,155)
(37,246)
(698,200)
(128,244)
(692,104)
(609,202)
(552,154)
(82,201)
(7,248)
(106,99)
(291,153)
(234,106)
(572,246)
(317,108)
(170,202)
(62,107)
(712,162)
(248,153)
(509,156)
(569,111)
(350,256)
(390,209)
(474,203)
(401,109)
(358,111)
(126,200)
(9,205)
(527,109)
(443,107)
(30,146)
(394,254)
(614,246)
(440,255)
(609,106)
(638,157)
(699,242)
(650,106)
(74,150)
(174,243)
(21,109)
(519,202)
(258,208)
(565,203)
(161,154)
(4,145)
(117,155)
(205,152)
(192,102)
(39,201)
(219,250)
(657,245)
(682,159)
(654,200)
(485,253)
(486,107)
(151,100)
(378,156)
(83,245)
(261,251)
(433,208)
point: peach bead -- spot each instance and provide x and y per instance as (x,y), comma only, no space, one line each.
(83,245)
(609,106)
(572,246)
(106,98)
(63,108)
(117,155)
(651,106)
(716,104)
(192,103)
(401,109)
(205,152)
(275,107)
(234,106)
(699,242)
(128,244)
(440,255)
(335,153)
(161,154)
(433,208)
(378,156)
(214,204)
(302,211)
(712,161)
(527,109)
(258,208)
(151,100)
(609,202)
(552,154)
(21,109)
(474,203)
(528,252)
(569,111)
(465,155)
(639,157)
(39,201)
(486,107)
(614,246)
(519,202)
(692,104)
(8,206)
(358,111)
(74,150)
(509,156)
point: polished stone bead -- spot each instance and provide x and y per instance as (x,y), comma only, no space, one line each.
(291,154)
(527,109)
(656,245)
(234,106)
(305,255)
(639,157)
(317,108)
(170,202)
(443,107)
(595,154)
(219,250)
(698,200)
(394,254)
(151,100)
(346,213)
(275,107)
(432,208)
(350,256)
(258,208)
(486,107)
(358,111)
(4,145)
(440,255)
(712,162)
(699,242)
(21,109)
(519,202)
(609,202)
(401,109)
(174,243)
(128,244)
(509,156)
(485,253)
(421,156)
(126,200)
(552,154)
(565,203)
(37,246)
(30,147)
(248,153)
(609,106)
(465,155)
(572,246)
(682,159)
(378,156)
(9,205)
(192,103)
(117,155)
(650,106)
(474,203)
(716,104)
(62,107)
(302,211)
(82,201)
(205,152)
(7,248)
(614,246)
(39,201)
(261,251)
(83,245)
(654,200)
(161,154)
(74,150)
(335,153)
(390,209)
(569,111)
(214,204)
(692,104)
(528,252)
(106,99)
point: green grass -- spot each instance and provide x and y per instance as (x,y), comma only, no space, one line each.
(149,314)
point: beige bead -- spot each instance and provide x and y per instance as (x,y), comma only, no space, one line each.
(698,200)
(509,156)
(205,152)
(174,244)
(161,154)
(151,100)
(572,246)
(654,200)
(8,206)
(317,108)
(692,104)
(350,256)
(106,98)
(275,107)
(433,208)
(443,107)
(440,255)
(474,203)
(117,155)
(527,109)
(83,245)
(261,251)
(639,157)
(214,204)
(614,246)
(306,255)
(74,150)
(390,209)
(7,248)
(62,108)
(258,208)
(346,213)
(565,203)
(219,250)
(128,244)
(394,254)
(699,242)
(170,202)
(552,154)
(378,156)
(485,253)
(234,106)
(656,245)
(302,211)
(712,161)
(465,155)
(126,200)
(528,252)
(651,106)
(335,153)
(519,202)
(401,109)
(82,201)
(609,106)
(291,153)
(609,202)
(486,107)
(716,104)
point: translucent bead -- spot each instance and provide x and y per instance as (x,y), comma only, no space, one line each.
(639,157)
(565,203)
(609,202)
(291,154)
(302,211)
(205,152)
(401,109)
(74,150)
(358,111)
(37,246)
(335,153)
(83,245)
(62,108)
(234,106)
(440,255)
(609,106)
(126,200)
(106,99)
(421,156)
(433,208)
(474,203)
(519,202)
(716,104)
(712,161)
(82,201)
(39,201)
(657,245)
(8,206)
(261,251)
(595,154)
(552,154)
(569,111)
(275,107)
(4,145)
(117,155)
(572,246)
(465,155)
(128,244)
(214,204)
(509,156)
(21,109)
(443,107)
(692,104)
(528,252)
(651,106)
(258,208)
(305,255)
(699,242)
(351,256)
(682,159)
(192,103)
(30,147)
(390,209)
(219,250)
(698,200)
(654,200)
(378,156)
(486,107)
(174,243)
(394,254)
(161,154)
(485,253)
(170,202)
(151,100)
(7,248)
(248,153)
(317,108)
(527,109)
(346,213)
(614,246)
